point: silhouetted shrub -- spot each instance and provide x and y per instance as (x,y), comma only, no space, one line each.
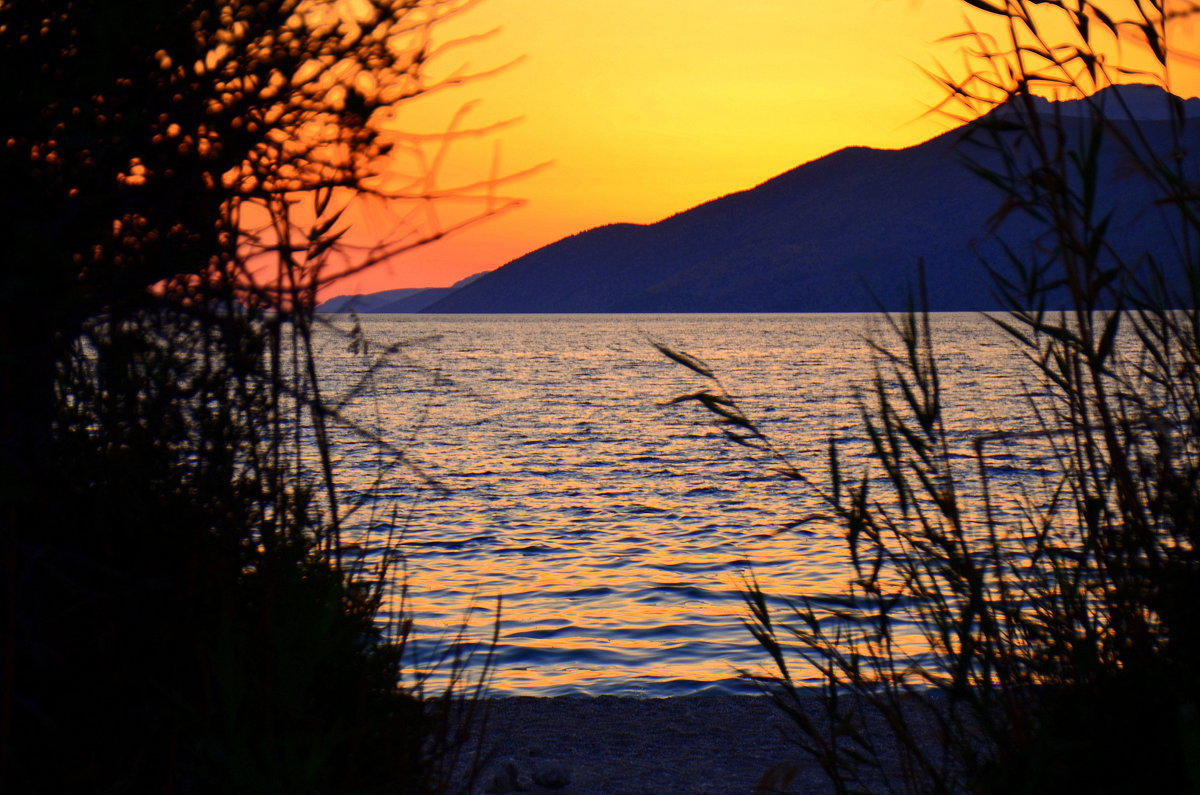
(181,612)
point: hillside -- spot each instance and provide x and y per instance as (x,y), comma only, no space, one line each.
(401,301)
(843,233)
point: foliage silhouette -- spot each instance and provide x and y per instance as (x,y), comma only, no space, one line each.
(181,613)
(1059,617)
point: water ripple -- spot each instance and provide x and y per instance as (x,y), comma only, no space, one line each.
(617,529)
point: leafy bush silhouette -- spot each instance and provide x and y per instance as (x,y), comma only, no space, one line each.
(181,613)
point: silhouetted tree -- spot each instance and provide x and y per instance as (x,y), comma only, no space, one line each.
(135,135)
(160,559)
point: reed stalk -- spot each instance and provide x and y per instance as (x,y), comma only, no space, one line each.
(1059,613)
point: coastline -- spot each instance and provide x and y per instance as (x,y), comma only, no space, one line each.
(617,745)
(710,744)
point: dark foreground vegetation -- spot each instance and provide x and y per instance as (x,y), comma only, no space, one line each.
(180,611)
(1059,614)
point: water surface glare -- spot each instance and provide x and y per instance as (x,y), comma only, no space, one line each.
(618,529)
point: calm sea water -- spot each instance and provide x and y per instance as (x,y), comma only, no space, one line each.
(541,464)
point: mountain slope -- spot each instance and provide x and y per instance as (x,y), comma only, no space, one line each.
(405,300)
(841,233)
(368,303)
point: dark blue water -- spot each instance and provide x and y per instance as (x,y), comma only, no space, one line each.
(534,458)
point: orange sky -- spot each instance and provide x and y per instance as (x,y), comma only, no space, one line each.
(643,108)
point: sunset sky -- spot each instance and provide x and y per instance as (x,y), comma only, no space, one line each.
(639,110)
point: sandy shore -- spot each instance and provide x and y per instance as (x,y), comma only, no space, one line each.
(626,746)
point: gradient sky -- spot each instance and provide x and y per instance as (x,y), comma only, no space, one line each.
(643,109)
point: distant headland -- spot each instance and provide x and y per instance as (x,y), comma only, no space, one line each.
(842,233)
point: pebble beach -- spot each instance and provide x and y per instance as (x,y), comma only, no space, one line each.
(610,745)
(698,744)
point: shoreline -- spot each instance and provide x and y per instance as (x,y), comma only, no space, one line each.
(624,745)
(714,744)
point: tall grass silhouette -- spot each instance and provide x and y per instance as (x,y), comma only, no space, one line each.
(1057,611)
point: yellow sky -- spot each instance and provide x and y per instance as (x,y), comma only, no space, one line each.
(644,108)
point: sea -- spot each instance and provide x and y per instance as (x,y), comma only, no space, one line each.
(555,521)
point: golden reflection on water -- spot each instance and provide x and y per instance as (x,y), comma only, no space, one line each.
(617,529)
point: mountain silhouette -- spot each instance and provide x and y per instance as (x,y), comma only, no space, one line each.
(843,233)
(401,301)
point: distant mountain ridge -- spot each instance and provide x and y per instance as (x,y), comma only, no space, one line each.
(403,300)
(842,233)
